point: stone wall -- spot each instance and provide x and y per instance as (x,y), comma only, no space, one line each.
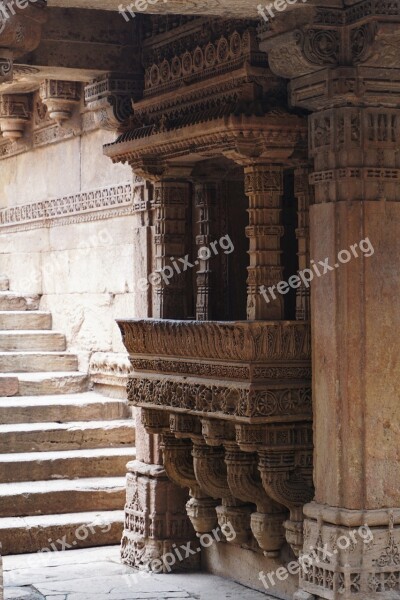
(79,251)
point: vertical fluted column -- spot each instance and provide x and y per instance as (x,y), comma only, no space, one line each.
(205,202)
(303,191)
(170,204)
(264,188)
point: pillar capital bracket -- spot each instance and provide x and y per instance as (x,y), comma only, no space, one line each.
(15,112)
(110,98)
(341,57)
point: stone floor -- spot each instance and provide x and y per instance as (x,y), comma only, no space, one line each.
(97,573)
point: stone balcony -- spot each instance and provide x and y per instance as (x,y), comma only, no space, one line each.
(232,401)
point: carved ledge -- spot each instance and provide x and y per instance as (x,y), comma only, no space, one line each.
(60,98)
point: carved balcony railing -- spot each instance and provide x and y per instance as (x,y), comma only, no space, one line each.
(233,403)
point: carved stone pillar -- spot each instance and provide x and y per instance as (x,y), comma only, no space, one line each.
(343,68)
(170,208)
(264,188)
(155,511)
(302,191)
(205,206)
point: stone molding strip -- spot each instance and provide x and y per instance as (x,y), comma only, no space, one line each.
(103,203)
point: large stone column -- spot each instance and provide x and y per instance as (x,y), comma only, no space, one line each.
(354,139)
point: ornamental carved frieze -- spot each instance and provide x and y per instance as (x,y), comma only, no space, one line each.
(242,341)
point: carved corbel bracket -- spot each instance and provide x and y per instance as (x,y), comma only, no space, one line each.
(285,464)
(110,99)
(285,484)
(178,463)
(245,483)
(20,31)
(15,112)
(211,473)
(60,98)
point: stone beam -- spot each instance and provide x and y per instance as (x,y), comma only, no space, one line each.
(224,8)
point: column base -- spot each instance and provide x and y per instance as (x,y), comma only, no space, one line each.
(156,523)
(351,554)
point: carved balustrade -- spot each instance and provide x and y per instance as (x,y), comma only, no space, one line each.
(233,403)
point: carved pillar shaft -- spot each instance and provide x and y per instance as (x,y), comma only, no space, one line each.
(264,188)
(170,205)
(205,202)
(349,77)
(302,191)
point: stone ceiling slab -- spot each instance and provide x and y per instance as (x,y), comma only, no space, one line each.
(225,8)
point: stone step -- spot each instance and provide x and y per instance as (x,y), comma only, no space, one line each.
(45,384)
(88,406)
(13,301)
(37,466)
(30,498)
(30,362)
(32,340)
(23,535)
(45,437)
(27,320)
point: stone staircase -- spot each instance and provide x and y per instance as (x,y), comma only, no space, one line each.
(63,448)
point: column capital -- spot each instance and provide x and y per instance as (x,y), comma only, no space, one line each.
(341,56)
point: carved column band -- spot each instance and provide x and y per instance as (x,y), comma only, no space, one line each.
(303,193)
(264,188)
(205,205)
(170,206)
